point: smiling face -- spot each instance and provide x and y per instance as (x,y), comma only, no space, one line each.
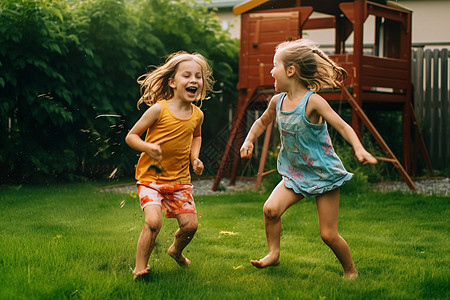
(279,73)
(187,83)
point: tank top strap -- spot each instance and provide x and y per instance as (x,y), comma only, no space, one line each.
(163,104)
(305,100)
(306,97)
(280,100)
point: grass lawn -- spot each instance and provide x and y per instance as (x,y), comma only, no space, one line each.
(72,241)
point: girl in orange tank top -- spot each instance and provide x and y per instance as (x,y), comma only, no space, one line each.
(172,125)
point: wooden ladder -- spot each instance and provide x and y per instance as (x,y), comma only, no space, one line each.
(390,155)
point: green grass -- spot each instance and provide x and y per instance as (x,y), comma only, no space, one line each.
(74,242)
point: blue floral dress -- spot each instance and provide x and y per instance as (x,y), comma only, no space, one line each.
(307,160)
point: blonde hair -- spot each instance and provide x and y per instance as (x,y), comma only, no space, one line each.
(313,68)
(155,84)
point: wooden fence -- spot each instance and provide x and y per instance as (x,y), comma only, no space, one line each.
(430,77)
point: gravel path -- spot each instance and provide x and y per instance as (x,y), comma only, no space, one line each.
(435,186)
(201,187)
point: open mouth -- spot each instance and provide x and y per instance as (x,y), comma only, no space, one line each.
(191,90)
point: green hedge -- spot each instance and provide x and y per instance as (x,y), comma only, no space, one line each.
(68,73)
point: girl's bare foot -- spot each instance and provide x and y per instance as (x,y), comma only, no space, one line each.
(140,274)
(351,275)
(179,258)
(266,261)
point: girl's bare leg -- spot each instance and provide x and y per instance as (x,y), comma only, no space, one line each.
(280,199)
(147,239)
(187,227)
(328,211)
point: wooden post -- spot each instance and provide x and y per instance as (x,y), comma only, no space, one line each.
(358,26)
(240,111)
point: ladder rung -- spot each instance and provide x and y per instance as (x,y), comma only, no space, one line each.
(386,159)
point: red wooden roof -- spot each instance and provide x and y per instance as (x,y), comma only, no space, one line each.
(330,7)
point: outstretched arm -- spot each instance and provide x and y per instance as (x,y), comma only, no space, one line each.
(361,153)
(317,105)
(258,127)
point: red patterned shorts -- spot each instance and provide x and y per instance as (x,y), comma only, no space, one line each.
(174,198)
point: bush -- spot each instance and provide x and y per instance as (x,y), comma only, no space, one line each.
(68,79)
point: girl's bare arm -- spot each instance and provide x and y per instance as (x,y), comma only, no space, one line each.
(258,127)
(197,164)
(133,138)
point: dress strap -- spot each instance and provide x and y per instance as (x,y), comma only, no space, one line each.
(309,93)
(305,100)
(280,100)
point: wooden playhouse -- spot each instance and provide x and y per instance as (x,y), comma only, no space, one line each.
(381,80)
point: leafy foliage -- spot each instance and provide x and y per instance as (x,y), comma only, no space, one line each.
(68,74)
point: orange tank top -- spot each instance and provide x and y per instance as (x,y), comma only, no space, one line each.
(176,135)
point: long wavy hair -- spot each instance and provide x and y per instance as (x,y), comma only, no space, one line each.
(313,68)
(155,84)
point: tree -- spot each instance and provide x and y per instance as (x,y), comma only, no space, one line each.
(68,73)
